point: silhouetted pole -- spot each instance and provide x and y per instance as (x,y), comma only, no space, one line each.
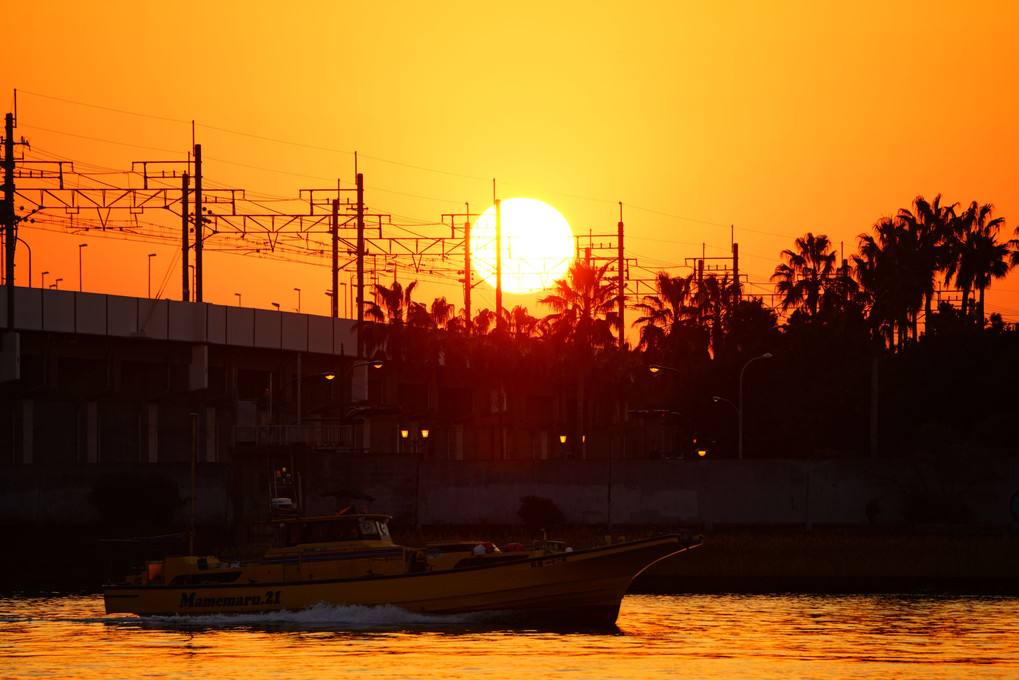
(498,263)
(360,261)
(185,242)
(735,271)
(334,228)
(622,290)
(191,497)
(8,216)
(739,411)
(199,223)
(467,265)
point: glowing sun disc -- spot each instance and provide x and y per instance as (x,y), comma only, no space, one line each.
(537,245)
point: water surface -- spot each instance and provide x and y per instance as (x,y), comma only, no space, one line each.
(693,636)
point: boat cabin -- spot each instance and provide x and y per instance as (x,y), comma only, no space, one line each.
(333,529)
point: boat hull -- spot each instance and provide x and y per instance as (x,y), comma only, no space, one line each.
(584,585)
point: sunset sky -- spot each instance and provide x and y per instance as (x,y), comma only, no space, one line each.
(758,120)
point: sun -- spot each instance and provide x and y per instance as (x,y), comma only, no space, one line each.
(537,245)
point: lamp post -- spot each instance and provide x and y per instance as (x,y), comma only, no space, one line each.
(298,300)
(29,259)
(739,408)
(42,282)
(238,299)
(655,368)
(276,305)
(375,363)
(80,246)
(328,375)
(56,284)
(416,446)
(151,255)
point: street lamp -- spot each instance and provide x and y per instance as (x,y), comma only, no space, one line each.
(654,368)
(739,408)
(416,446)
(29,259)
(42,282)
(56,284)
(80,246)
(276,305)
(238,299)
(417,443)
(298,300)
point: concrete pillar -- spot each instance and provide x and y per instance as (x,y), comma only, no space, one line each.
(211,454)
(152,434)
(27,431)
(91,432)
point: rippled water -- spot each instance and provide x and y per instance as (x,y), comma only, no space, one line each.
(692,636)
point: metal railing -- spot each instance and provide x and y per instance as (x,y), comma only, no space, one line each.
(313,436)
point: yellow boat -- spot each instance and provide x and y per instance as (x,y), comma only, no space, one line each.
(350,559)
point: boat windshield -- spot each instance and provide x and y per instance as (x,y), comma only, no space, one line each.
(373,528)
(336,529)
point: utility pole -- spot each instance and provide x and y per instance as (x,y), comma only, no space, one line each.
(185,239)
(735,271)
(360,261)
(498,263)
(199,223)
(622,290)
(334,227)
(9,221)
(467,266)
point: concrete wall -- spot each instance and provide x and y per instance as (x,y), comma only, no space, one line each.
(782,492)
(57,495)
(63,311)
(774,492)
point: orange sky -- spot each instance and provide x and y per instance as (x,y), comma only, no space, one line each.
(778,118)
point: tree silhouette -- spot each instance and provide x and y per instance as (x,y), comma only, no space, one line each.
(979,258)
(664,312)
(583,316)
(802,278)
(583,306)
(931,228)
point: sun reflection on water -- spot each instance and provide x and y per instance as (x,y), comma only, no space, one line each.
(702,636)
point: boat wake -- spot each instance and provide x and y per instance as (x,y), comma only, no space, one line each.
(319,617)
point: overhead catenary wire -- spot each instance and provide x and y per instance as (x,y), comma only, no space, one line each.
(408,224)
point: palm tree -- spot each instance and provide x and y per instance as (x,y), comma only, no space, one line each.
(483,321)
(583,316)
(932,227)
(520,323)
(583,306)
(392,305)
(806,272)
(885,271)
(979,258)
(714,300)
(664,311)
